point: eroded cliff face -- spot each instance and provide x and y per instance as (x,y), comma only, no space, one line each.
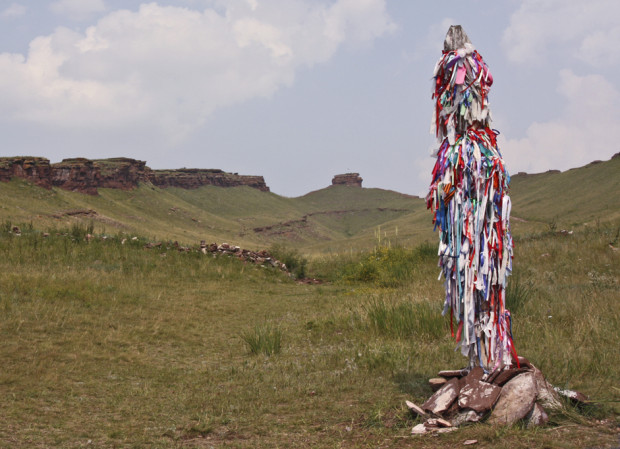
(348,179)
(87,176)
(192,178)
(35,169)
(122,173)
(77,175)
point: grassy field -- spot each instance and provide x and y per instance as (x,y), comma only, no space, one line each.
(108,344)
(113,345)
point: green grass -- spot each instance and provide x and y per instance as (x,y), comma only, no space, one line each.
(263,339)
(127,347)
(109,344)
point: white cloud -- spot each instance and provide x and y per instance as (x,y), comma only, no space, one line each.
(78,9)
(586,30)
(13,10)
(584,132)
(170,67)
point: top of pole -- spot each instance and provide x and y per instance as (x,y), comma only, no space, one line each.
(455,39)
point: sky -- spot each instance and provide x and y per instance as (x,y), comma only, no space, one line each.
(301,90)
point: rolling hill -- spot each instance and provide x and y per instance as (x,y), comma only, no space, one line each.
(334,219)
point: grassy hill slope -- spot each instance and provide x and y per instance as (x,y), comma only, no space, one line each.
(333,219)
(577,196)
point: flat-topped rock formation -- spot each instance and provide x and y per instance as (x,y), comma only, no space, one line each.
(348,179)
(76,175)
(87,176)
(122,172)
(192,178)
(34,169)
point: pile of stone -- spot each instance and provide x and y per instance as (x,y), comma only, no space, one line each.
(502,397)
(262,257)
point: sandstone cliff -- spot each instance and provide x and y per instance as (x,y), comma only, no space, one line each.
(192,178)
(86,176)
(77,175)
(34,169)
(122,172)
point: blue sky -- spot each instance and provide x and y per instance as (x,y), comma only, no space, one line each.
(301,90)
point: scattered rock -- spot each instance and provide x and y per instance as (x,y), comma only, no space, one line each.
(469,442)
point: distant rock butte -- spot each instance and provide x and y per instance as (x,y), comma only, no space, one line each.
(348,179)
(34,169)
(86,175)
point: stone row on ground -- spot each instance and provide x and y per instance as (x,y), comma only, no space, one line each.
(502,397)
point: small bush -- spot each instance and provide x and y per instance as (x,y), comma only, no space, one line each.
(263,339)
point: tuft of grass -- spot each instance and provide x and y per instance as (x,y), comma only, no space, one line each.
(263,339)
(406,319)
(518,294)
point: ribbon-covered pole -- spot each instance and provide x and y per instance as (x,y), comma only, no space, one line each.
(469,199)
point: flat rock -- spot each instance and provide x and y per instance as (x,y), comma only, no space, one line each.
(437,382)
(443,423)
(449,374)
(537,416)
(419,429)
(415,408)
(516,400)
(505,375)
(477,395)
(476,373)
(443,398)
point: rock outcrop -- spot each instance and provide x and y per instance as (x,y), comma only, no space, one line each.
(34,169)
(122,173)
(77,175)
(87,176)
(348,179)
(192,178)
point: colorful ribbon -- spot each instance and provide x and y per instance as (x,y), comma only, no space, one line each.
(469,199)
